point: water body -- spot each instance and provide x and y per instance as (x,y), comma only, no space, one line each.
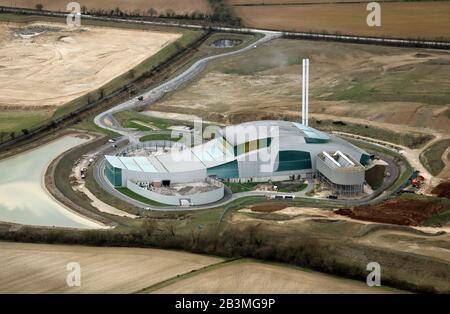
(226,43)
(23,198)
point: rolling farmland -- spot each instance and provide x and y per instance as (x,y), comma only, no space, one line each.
(251,277)
(400,19)
(36,268)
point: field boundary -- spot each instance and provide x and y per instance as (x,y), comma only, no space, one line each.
(192,273)
(262,4)
(398,42)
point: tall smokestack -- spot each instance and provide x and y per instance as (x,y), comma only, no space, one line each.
(305,92)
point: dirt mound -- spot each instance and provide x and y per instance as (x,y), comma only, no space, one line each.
(399,211)
(268,208)
(442,190)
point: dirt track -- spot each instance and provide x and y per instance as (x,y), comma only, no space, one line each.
(60,65)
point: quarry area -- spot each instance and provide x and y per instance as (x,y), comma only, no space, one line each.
(55,64)
(393,86)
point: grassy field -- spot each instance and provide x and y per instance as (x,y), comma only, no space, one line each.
(411,140)
(431,158)
(137,197)
(127,118)
(399,19)
(39,268)
(135,6)
(17,120)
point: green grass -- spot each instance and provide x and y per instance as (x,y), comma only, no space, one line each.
(137,126)
(89,125)
(431,158)
(159,137)
(423,82)
(17,120)
(441,219)
(126,119)
(237,187)
(437,220)
(137,197)
(411,140)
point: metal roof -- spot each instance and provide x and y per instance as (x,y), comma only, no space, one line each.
(250,131)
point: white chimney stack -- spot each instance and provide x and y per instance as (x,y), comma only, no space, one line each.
(305,92)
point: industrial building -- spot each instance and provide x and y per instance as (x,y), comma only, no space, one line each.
(249,152)
(285,150)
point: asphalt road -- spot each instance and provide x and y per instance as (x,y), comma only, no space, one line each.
(106,119)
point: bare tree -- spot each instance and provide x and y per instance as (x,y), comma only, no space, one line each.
(39,6)
(152,12)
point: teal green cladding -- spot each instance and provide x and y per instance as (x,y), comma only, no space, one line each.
(114,175)
(225,171)
(364,159)
(311,140)
(294,160)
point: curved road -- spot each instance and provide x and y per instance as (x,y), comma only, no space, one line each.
(107,121)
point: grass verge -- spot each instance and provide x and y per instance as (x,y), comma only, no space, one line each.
(159,137)
(431,158)
(139,198)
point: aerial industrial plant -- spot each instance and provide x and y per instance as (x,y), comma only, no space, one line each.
(258,151)
(224,147)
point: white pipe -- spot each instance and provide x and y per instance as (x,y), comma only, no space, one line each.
(332,159)
(303,90)
(307,93)
(345,157)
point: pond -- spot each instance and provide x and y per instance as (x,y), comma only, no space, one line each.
(226,43)
(23,198)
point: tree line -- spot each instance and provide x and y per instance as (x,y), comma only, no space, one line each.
(221,13)
(250,241)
